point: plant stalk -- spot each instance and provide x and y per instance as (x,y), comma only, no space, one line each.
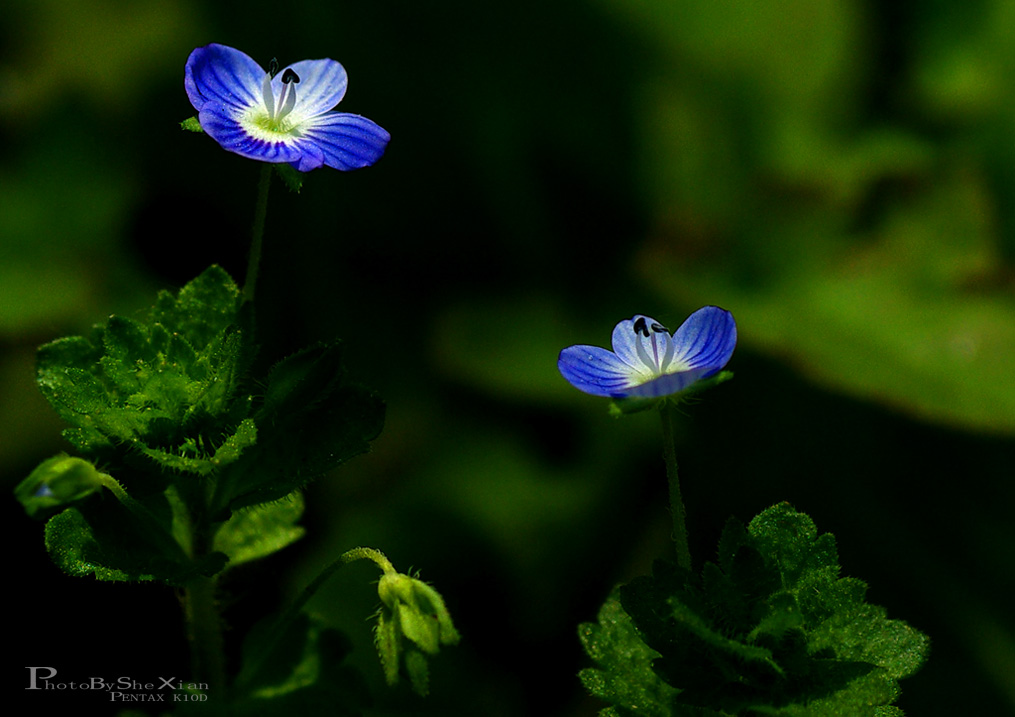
(204,633)
(680,540)
(201,611)
(257,233)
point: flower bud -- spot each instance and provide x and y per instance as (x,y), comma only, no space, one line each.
(56,482)
(413,622)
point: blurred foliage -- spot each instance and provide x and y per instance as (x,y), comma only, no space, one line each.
(840,175)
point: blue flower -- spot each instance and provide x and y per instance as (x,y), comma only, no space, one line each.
(647,362)
(280,117)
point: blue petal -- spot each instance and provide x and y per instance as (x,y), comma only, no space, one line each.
(653,351)
(345,141)
(217,73)
(221,125)
(706,340)
(594,370)
(669,384)
(322,86)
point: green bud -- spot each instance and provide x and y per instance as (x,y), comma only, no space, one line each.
(57,482)
(413,622)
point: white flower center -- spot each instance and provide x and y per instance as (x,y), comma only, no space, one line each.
(657,354)
(277,112)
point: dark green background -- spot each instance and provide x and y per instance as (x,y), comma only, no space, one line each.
(839,174)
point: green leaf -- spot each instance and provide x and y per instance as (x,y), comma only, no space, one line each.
(75,550)
(259,531)
(104,541)
(300,674)
(911,315)
(312,421)
(293,178)
(624,677)
(202,309)
(166,384)
(191,124)
(770,629)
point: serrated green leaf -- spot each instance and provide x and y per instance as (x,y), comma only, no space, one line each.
(771,629)
(202,309)
(165,385)
(104,541)
(74,549)
(624,677)
(261,530)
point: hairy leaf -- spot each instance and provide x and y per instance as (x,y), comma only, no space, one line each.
(166,385)
(770,628)
(255,532)
(311,421)
(104,541)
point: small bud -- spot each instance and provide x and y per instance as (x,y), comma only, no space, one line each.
(56,482)
(413,622)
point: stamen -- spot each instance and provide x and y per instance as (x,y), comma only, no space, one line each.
(655,356)
(668,354)
(288,100)
(268,95)
(650,362)
(273,67)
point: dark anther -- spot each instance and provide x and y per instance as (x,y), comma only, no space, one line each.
(289,76)
(659,328)
(273,67)
(640,327)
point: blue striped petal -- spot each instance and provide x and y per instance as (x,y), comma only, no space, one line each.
(216,73)
(347,141)
(706,339)
(322,85)
(594,370)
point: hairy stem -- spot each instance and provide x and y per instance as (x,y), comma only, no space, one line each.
(676,499)
(287,618)
(201,611)
(257,234)
(204,633)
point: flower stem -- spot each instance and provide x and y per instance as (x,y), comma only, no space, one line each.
(676,499)
(257,234)
(287,618)
(344,559)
